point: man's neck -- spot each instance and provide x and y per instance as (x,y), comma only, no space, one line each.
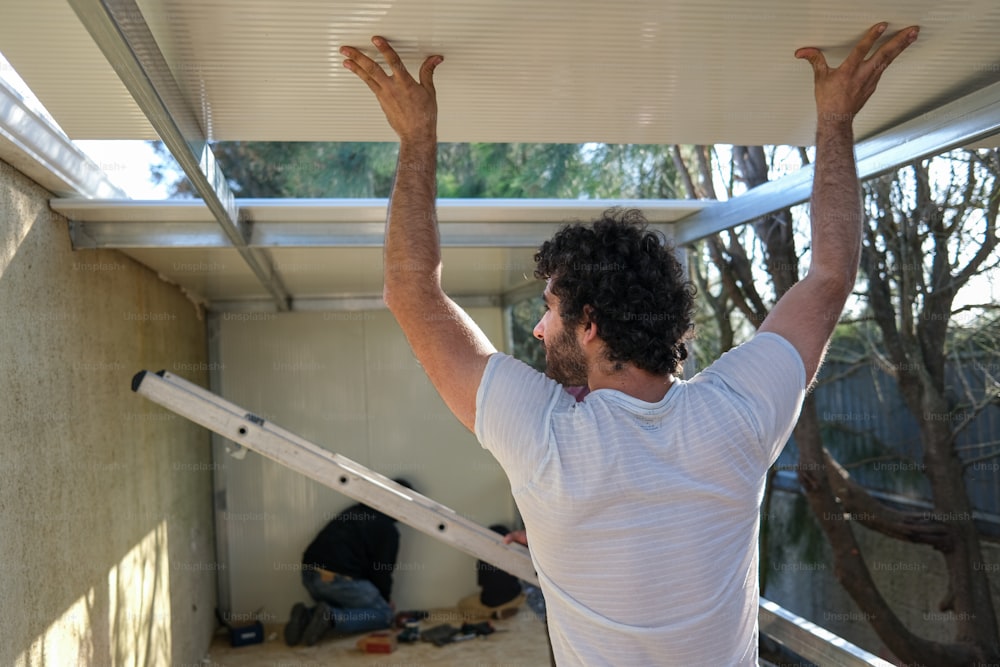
(633,381)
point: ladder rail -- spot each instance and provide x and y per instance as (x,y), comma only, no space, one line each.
(333,470)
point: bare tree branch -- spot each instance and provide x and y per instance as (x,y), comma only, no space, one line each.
(969,415)
(976,306)
(862,507)
(850,567)
(984,457)
(862,363)
(682,170)
(987,247)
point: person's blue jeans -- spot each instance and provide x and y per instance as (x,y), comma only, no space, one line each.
(356,604)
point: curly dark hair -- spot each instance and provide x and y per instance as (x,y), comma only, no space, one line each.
(642,302)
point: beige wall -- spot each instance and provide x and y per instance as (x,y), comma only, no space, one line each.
(106,537)
(348,382)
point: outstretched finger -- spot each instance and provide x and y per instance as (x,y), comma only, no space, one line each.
(364,67)
(427,71)
(861,49)
(391,57)
(888,51)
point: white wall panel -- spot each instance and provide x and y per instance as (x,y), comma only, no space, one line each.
(347,381)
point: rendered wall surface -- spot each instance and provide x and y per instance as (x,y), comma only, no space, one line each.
(346,381)
(106,533)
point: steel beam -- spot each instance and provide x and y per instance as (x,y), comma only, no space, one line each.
(156,234)
(810,641)
(326,223)
(353,305)
(958,123)
(120,30)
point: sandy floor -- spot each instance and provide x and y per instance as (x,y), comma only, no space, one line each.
(518,642)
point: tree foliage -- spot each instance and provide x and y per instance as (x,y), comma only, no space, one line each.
(504,171)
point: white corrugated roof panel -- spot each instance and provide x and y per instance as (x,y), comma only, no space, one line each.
(643,71)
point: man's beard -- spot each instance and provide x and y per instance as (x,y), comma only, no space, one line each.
(564,360)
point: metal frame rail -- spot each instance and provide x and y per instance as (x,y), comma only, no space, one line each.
(810,641)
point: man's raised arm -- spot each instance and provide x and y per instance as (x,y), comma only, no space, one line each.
(808,313)
(448,344)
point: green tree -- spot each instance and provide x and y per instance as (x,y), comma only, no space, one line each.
(509,171)
(257,169)
(502,171)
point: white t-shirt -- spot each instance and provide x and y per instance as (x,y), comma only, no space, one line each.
(642,518)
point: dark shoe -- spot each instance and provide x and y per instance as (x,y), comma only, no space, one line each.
(409,634)
(440,635)
(297,622)
(478,629)
(321,621)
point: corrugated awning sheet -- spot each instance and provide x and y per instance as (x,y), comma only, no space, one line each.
(643,71)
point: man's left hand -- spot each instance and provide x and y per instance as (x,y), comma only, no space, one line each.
(409,105)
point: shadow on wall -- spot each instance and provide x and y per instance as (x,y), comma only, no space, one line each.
(125,622)
(107,555)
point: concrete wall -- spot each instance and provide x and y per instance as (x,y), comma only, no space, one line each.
(346,381)
(106,534)
(912,578)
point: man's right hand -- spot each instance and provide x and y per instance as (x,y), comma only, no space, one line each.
(842,91)
(807,314)
(519,536)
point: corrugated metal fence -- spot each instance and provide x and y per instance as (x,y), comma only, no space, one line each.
(868,427)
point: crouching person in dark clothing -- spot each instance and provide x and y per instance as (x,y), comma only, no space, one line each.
(501,593)
(347,570)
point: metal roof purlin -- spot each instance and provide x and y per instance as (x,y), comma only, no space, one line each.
(958,123)
(330,223)
(121,32)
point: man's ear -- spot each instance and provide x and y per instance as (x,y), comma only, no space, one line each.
(588,325)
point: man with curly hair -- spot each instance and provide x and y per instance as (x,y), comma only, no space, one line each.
(642,498)
(620,277)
